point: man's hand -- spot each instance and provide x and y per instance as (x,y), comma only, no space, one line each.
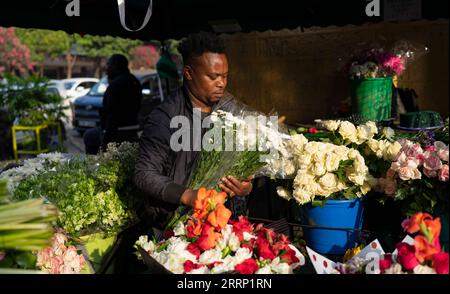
(188,197)
(233,187)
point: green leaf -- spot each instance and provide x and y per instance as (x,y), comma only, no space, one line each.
(26,260)
(320,203)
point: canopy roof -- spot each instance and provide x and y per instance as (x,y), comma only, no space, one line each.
(177,18)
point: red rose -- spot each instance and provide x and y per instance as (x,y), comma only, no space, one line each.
(248,267)
(385,263)
(241,226)
(194,249)
(248,246)
(440,263)
(312,130)
(189,266)
(264,250)
(168,233)
(212,264)
(290,257)
(406,256)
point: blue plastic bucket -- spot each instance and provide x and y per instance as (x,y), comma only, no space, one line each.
(341,214)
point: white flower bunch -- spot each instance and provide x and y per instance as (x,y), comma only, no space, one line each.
(32,167)
(349,132)
(317,164)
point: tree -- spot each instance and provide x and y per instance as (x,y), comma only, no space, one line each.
(101,47)
(14,56)
(45,44)
(144,57)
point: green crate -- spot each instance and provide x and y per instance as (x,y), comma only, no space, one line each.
(371,98)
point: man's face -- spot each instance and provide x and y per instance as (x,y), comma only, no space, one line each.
(207,76)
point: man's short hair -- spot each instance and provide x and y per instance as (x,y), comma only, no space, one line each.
(199,43)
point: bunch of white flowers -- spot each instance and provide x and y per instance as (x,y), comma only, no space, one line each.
(349,132)
(32,167)
(317,164)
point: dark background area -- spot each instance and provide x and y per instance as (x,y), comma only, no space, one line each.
(176,18)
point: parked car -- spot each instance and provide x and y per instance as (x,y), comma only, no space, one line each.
(78,87)
(70,89)
(87,108)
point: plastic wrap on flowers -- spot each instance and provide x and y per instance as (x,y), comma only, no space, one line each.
(419,255)
(208,242)
(97,249)
(239,142)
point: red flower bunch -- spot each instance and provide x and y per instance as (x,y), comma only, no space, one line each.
(217,244)
(426,249)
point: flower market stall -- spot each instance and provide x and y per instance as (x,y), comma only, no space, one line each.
(328,171)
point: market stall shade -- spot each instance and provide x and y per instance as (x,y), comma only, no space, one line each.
(177,18)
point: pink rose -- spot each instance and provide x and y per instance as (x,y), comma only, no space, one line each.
(443,154)
(406,256)
(430,148)
(443,173)
(390,187)
(420,158)
(432,161)
(440,263)
(380,185)
(57,262)
(413,150)
(430,173)
(390,173)
(405,173)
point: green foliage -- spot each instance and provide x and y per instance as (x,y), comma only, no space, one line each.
(105,46)
(93,194)
(44,43)
(25,226)
(28,99)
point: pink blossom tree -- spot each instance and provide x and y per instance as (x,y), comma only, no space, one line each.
(14,56)
(144,57)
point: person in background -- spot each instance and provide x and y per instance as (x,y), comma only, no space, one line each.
(121,104)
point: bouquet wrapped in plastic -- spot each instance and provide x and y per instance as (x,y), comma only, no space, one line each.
(422,254)
(379,62)
(240,142)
